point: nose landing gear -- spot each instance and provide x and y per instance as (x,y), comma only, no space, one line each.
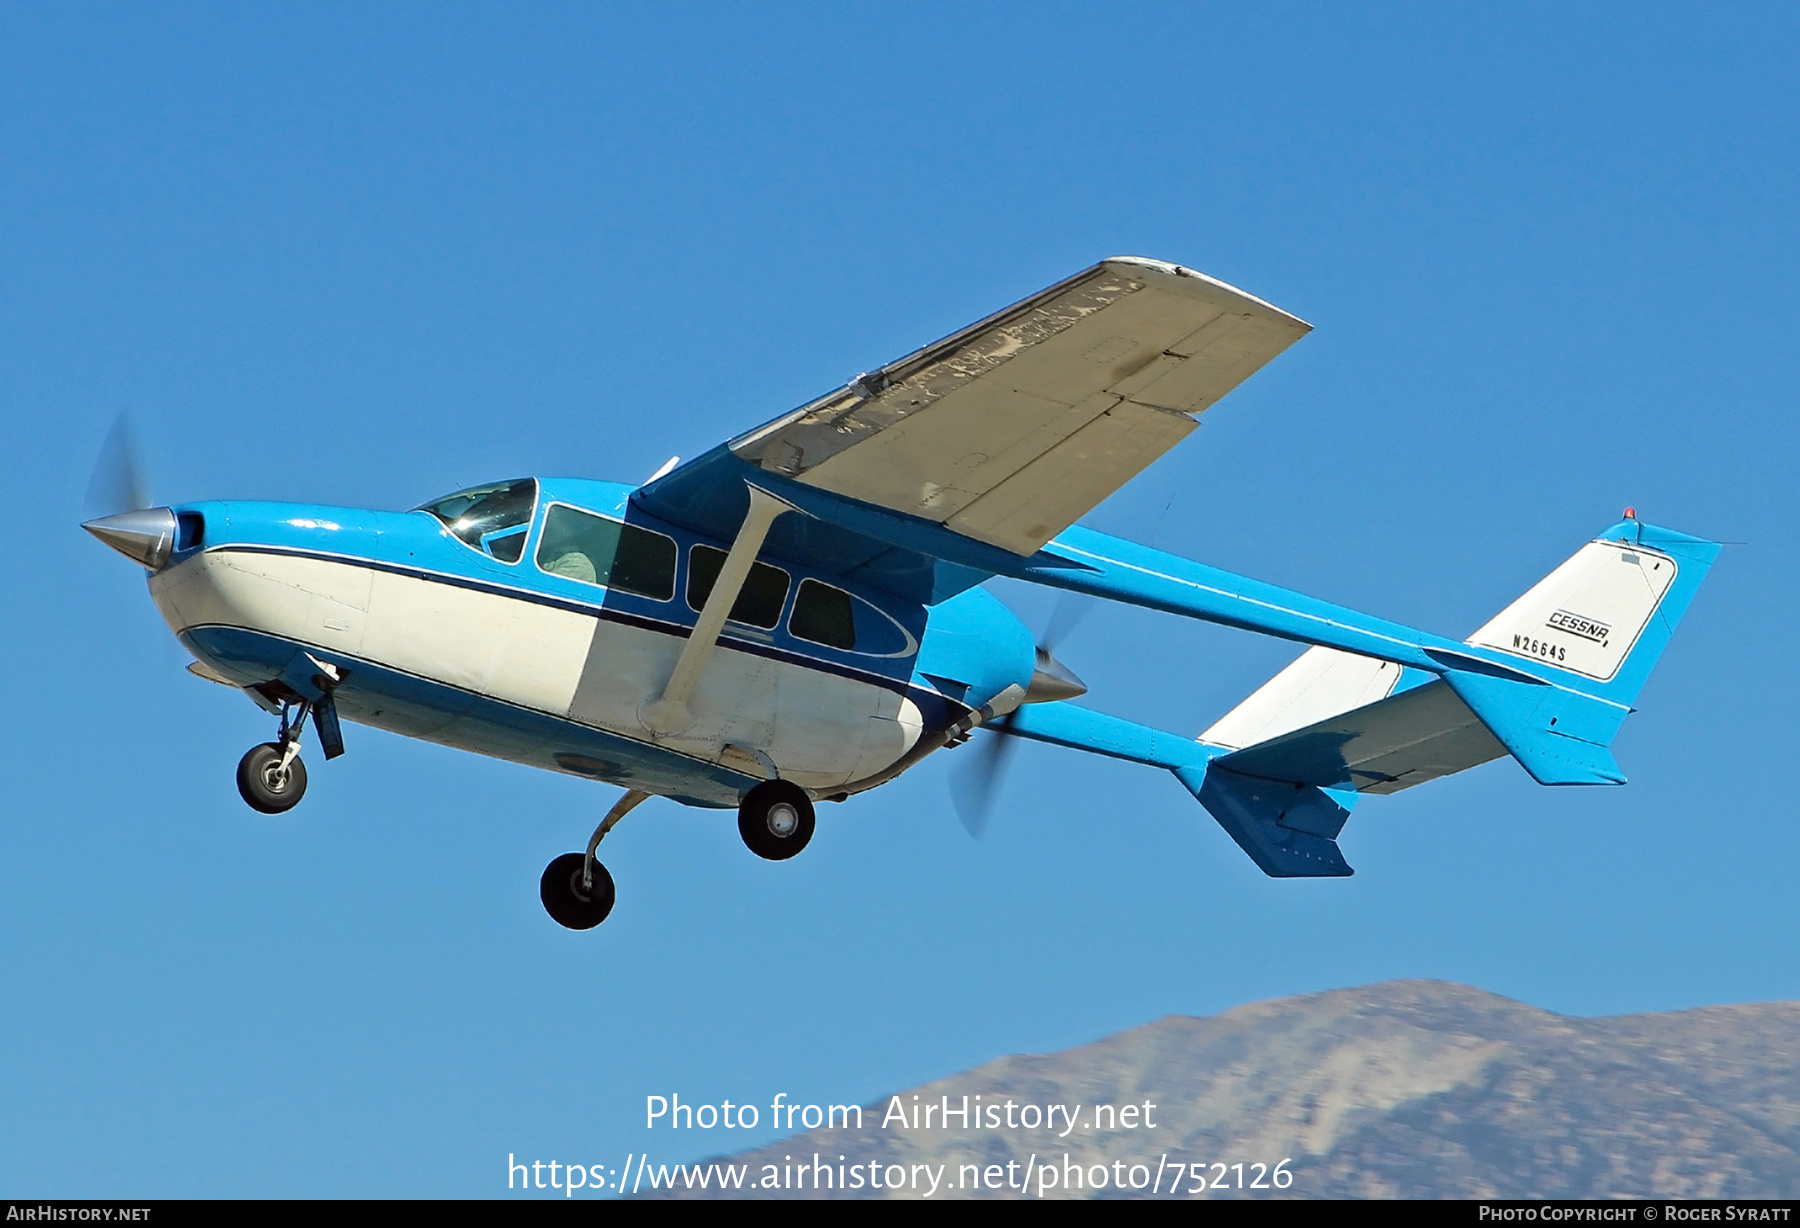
(271,777)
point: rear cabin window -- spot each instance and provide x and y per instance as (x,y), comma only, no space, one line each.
(824,615)
(579,545)
(493,518)
(836,619)
(763,595)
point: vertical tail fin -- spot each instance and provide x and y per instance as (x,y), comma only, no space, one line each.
(1594,628)
(1605,616)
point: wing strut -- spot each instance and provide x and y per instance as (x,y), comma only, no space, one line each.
(669,713)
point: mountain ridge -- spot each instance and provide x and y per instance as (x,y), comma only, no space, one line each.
(1413,1088)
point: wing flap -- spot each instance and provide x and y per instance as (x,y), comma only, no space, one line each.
(906,466)
(1070,479)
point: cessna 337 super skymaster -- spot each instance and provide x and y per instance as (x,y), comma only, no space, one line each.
(796,616)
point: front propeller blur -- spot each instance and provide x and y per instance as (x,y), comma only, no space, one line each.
(118,502)
(117,481)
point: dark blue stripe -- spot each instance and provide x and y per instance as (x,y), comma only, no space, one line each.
(925,699)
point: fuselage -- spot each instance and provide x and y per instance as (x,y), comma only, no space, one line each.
(539,635)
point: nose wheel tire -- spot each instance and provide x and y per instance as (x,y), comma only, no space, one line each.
(776,819)
(265,784)
(570,903)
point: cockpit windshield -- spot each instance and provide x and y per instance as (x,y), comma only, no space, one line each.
(493,518)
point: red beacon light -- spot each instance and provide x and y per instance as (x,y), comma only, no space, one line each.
(1631,513)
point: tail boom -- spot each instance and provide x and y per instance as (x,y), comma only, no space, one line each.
(1289,830)
(1375,707)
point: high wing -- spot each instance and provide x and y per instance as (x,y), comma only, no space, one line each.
(1009,431)
(1017,426)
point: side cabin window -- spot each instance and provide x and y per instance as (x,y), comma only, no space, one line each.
(763,595)
(579,545)
(836,619)
(493,518)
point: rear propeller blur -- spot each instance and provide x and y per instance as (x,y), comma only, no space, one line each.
(976,780)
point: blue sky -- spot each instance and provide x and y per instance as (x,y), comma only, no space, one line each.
(366,256)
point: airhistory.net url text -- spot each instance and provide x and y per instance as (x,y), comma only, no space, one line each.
(1033,1177)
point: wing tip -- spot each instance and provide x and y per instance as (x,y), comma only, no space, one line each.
(1179,270)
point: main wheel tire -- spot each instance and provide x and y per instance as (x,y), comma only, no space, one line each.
(776,819)
(265,784)
(564,899)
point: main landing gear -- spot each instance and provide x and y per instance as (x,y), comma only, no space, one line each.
(576,890)
(775,819)
(575,897)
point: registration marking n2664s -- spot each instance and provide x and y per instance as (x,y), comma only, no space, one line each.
(1543,649)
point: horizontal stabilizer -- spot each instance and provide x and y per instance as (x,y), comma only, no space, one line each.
(1290,831)
(1399,741)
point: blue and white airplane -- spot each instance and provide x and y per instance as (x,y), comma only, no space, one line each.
(797,616)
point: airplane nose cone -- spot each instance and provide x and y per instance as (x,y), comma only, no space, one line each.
(1052,680)
(146,536)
